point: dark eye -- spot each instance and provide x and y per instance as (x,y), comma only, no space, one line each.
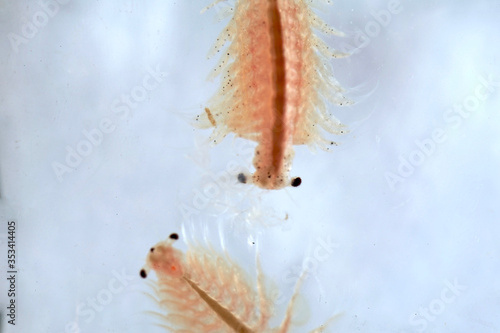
(242,178)
(143,273)
(296,182)
(152,249)
(174,236)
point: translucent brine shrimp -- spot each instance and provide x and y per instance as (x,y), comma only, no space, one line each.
(202,291)
(276,81)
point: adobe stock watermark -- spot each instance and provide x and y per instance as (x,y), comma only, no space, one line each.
(94,137)
(216,193)
(30,29)
(425,315)
(323,249)
(381,19)
(453,116)
(87,311)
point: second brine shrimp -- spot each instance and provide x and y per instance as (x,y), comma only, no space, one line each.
(276,82)
(201,291)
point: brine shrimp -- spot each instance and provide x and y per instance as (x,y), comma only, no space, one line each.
(276,81)
(202,291)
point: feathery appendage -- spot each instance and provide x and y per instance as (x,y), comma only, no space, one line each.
(276,82)
(202,291)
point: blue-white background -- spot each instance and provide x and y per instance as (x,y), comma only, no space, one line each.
(399,225)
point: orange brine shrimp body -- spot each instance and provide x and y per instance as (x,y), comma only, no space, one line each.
(275,81)
(204,292)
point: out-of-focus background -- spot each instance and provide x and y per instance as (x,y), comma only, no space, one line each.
(398,226)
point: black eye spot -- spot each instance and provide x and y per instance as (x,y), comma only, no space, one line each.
(174,236)
(152,249)
(296,182)
(242,178)
(143,273)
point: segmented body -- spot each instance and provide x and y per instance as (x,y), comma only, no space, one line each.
(276,78)
(203,292)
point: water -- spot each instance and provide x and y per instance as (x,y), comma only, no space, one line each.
(99,162)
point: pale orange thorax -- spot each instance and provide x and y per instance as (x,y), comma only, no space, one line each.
(275,85)
(202,291)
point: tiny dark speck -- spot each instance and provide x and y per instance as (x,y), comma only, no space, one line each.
(174,236)
(143,273)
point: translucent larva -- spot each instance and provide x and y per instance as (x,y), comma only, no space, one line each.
(201,291)
(275,83)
